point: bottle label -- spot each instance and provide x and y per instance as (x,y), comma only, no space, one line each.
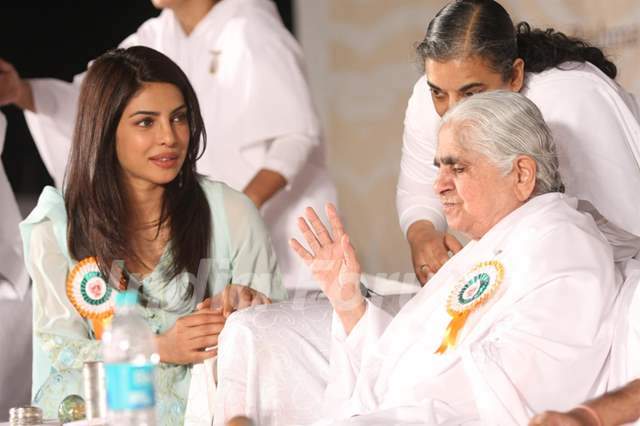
(129,387)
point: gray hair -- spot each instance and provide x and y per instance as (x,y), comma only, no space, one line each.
(502,125)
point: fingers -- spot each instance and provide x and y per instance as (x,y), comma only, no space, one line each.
(203,317)
(308,235)
(334,220)
(200,343)
(205,304)
(349,254)
(260,299)
(5,66)
(227,302)
(452,243)
(203,331)
(200,356)
(439,256)
(245,297)
(318,226)
(422,271)
(301,251)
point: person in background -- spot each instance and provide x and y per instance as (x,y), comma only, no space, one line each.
(472,46)
(15,301)
(248,72)
(134,214)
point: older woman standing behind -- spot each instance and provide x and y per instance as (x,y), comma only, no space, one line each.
(519,320)
(472,46)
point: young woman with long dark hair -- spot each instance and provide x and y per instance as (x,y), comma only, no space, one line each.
(472,46)
(135,214)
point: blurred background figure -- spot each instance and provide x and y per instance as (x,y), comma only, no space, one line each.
(247,69)
(15,301)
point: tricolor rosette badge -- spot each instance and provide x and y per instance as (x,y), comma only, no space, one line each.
(474,290)
(90,294)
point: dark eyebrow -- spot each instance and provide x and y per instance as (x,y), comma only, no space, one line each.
(464,88)
(178,108)
(470,86)
(156,113)
(446,160)
(433,86)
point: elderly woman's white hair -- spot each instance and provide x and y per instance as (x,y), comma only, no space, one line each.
(502,125)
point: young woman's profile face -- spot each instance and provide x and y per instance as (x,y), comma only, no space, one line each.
(152,137)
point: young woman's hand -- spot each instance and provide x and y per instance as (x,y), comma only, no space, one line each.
(333,263)
(233,298)
(186,341)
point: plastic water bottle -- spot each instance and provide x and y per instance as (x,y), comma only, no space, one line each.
(130,356)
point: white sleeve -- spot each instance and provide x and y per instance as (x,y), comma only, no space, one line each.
(415,197)
(347,353)
(288,154)
(597,137)
(53,123)
(14,281)
(58,327)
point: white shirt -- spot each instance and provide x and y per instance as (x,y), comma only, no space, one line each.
(14,280)
(248,73)
(594,123)
(541,342)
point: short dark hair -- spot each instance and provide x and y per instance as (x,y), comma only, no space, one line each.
(484,28)
(98,213)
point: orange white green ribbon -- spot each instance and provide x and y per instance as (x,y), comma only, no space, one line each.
(474,290)
(90,294)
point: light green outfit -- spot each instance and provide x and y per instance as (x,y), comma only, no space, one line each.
(241,254)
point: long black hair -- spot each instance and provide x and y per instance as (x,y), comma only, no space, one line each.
(97,208)
(484,28)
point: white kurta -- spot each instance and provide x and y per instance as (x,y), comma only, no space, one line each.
(540,343)
(248,73)
(14,281)
(594,123)
(15,300)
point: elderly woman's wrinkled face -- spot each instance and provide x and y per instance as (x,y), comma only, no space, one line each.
(475,194)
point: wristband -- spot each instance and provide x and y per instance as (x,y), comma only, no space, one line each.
(591,412)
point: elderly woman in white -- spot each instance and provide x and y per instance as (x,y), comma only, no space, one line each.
(520,320)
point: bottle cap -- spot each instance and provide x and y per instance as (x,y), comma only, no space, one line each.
(25,415)
(126,299)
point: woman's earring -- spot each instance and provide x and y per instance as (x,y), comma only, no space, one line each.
(180,178)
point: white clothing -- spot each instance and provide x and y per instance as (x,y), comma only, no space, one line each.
(247,71)
(15,301)
(14,281)
(594,123)
(540,343)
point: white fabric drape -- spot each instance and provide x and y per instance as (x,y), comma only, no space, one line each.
(541,343)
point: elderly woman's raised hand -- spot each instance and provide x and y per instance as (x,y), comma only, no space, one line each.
(332,260)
